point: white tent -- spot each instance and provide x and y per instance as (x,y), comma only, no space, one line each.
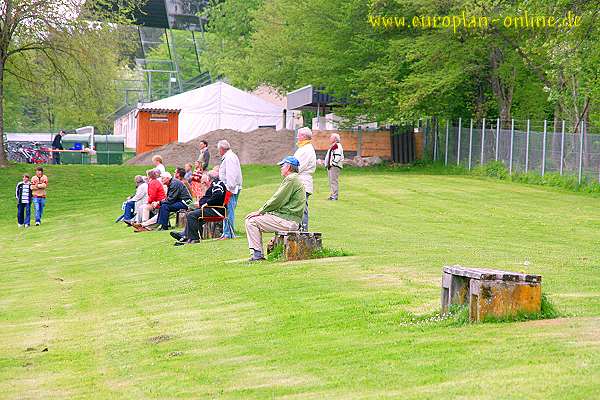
(220,106)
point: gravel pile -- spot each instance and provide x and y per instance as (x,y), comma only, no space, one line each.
(261,146)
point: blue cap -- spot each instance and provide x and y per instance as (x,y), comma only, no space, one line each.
(290,160)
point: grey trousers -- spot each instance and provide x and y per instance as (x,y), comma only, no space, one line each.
(334,175)
(304,224)
(256,225)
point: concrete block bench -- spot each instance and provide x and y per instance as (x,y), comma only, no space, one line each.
(296,245)
(491,292)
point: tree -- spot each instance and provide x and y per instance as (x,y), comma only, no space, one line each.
(59,38)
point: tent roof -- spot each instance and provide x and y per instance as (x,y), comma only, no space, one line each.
(218,97)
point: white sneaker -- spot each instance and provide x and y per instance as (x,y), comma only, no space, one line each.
(19,225)
(26,225)
(37,224)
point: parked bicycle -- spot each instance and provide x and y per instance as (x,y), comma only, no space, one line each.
(26,153)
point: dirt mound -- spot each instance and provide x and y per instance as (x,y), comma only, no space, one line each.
(261,146)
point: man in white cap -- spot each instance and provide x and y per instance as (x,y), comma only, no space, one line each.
(282,212)
(308,164)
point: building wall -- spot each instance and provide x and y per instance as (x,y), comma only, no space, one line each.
(363,143)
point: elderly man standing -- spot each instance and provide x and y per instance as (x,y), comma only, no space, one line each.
(308,164)
(230,173)
(334,162)
(282,212)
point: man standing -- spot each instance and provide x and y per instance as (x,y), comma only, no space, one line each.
(57,145)
(178,198)
(204,156)
(230,173)
(283,211)
(308,164)
(39,184)
(334,162)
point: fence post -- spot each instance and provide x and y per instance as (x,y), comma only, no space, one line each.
(359,143)
(482,140)
(544,148)
(470,143)
(512,138)
(446,152)
(435,138)
(458,148)
(424,130)
(562,147)
(581,139)
(497,136)
(527,148)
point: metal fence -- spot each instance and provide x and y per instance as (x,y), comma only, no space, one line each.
(524,146)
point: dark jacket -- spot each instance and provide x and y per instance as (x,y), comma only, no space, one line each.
(57,142)
(24,193)
(177,192)
(215,194)
(204,158)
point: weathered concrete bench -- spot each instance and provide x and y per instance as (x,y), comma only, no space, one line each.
(491,292)
(296,245)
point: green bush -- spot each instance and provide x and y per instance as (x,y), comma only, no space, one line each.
(493,169)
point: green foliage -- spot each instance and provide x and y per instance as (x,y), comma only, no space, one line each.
(457,315)
(276,254)
(328,252)
(493,169)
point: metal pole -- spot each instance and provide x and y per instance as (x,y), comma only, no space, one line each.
(512,138)
(470,143)
(458,149)
(544,148)
(497,136)
(446,150)
(435,139)
(562,148)
(482,140)
(581,139)
(527,148)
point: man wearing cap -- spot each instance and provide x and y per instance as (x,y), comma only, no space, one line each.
(282,212)
(307,158)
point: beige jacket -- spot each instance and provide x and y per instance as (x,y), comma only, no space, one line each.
(39,185)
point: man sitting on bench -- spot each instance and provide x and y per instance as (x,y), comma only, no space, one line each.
(214,196)
(283,211)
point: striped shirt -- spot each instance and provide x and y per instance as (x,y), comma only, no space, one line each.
(22,192)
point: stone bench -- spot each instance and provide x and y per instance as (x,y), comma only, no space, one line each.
(491,292)
(296,245)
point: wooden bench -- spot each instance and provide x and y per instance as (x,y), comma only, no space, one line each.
(491,292)
(296,245)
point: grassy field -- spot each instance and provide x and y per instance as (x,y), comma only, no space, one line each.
(126,315)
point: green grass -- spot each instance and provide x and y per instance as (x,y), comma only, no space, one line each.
(128,315)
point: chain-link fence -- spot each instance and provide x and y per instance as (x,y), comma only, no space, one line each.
(524,146)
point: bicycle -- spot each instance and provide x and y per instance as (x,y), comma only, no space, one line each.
(34,154)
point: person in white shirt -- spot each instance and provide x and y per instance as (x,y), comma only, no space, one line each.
(334,162)
(158,164)
(230,173)
(308,164)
